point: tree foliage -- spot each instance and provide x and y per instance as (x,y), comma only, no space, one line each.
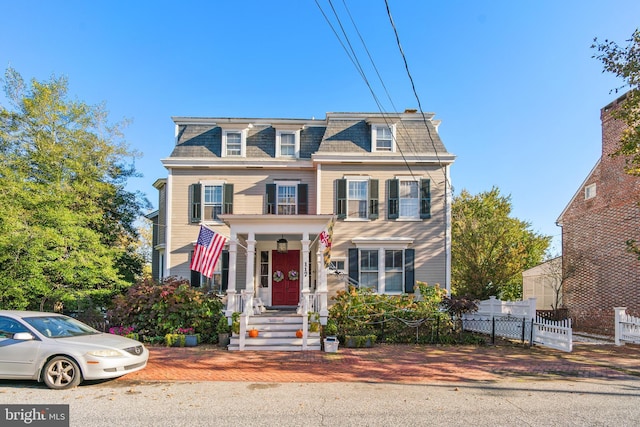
(489,248)
(67,223)
(624,62)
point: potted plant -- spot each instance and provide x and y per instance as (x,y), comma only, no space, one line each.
(331,328)
(235,322)
(314,322)
(223,330)
(191,339)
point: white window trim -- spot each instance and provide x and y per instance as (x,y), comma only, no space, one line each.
(359,179)
(590,191)
(204,184)
(374,137)
(243,142)
(279,143)
(287,184)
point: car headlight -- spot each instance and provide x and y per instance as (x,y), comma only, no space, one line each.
(105,353)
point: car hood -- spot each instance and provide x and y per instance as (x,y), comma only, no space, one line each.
(101,340)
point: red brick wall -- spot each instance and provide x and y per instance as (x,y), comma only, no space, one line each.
(600,272)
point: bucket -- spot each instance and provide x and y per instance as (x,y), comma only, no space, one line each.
(331,344)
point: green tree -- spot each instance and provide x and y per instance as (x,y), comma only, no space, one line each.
(624,63)
(489,248)
(67,225)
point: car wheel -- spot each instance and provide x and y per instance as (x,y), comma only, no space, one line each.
(61,372)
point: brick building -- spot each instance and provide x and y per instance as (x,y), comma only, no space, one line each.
(599,272)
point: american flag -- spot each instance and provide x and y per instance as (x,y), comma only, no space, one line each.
(208,249)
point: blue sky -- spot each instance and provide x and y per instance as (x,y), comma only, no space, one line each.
(513,82)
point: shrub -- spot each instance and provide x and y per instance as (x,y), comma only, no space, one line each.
(157,309)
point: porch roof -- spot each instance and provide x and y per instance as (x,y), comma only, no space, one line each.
(276,224)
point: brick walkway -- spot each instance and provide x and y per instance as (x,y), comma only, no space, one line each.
(390,363)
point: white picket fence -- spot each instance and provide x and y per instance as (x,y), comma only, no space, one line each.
(627,327)
(518,320)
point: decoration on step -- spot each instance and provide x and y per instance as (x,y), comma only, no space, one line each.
(278,276)
(293,275)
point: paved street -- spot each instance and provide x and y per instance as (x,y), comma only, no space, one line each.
(388,385)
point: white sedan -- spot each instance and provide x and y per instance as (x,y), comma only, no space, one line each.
(62,351)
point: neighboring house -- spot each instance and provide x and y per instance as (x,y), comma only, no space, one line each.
(543,282)
(260,181)
(599,272)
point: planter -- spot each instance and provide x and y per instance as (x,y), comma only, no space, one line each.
(190,340)
(253,333)
(223,339)
(359,341)
(331,345)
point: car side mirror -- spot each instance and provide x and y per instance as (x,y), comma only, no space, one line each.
(22,336)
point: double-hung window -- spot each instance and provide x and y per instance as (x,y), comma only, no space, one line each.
(393,270)
(233,143)
(409,199)
(382,137)
(357,198)
(369,269)
(287,198)
(210,199)
(288,143)
(212,202)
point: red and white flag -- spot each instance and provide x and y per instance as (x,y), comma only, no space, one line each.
(208,249)
(326,240)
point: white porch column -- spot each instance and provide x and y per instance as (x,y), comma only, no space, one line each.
(321,290)
(305,261)
(381,268)
(251,257)
(231,285)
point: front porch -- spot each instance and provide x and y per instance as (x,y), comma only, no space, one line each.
(292,279)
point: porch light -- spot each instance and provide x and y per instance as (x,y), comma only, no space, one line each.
(282,245)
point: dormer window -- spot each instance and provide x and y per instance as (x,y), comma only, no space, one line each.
(382,138)
(288,143)
(234,143)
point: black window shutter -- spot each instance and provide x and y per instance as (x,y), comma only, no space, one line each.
(341,198)
(354,265)
(195,276)
(303,199)
(225,269)
(425,199)
(195,214)
(409,275)
(373,199)
(227,198)
(271,199)
(393,198)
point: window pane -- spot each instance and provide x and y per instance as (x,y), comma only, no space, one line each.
(286,199)
(383,138)
(212,202)
(234,144)
(393,282)
(409,201)
(393,260)
(357,199)
(287,144)
(369,280)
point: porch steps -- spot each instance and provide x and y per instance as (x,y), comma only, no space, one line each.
(276,332)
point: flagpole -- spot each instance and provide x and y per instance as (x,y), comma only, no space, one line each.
(223,235)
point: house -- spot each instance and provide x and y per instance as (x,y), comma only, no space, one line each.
(599,272)
(272,185)
(544,283)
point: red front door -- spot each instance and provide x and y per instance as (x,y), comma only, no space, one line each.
(285,291)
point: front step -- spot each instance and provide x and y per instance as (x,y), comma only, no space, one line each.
(276,333)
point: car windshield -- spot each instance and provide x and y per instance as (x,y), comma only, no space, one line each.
(59,326)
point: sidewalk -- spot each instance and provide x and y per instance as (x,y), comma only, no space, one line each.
(390,363)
